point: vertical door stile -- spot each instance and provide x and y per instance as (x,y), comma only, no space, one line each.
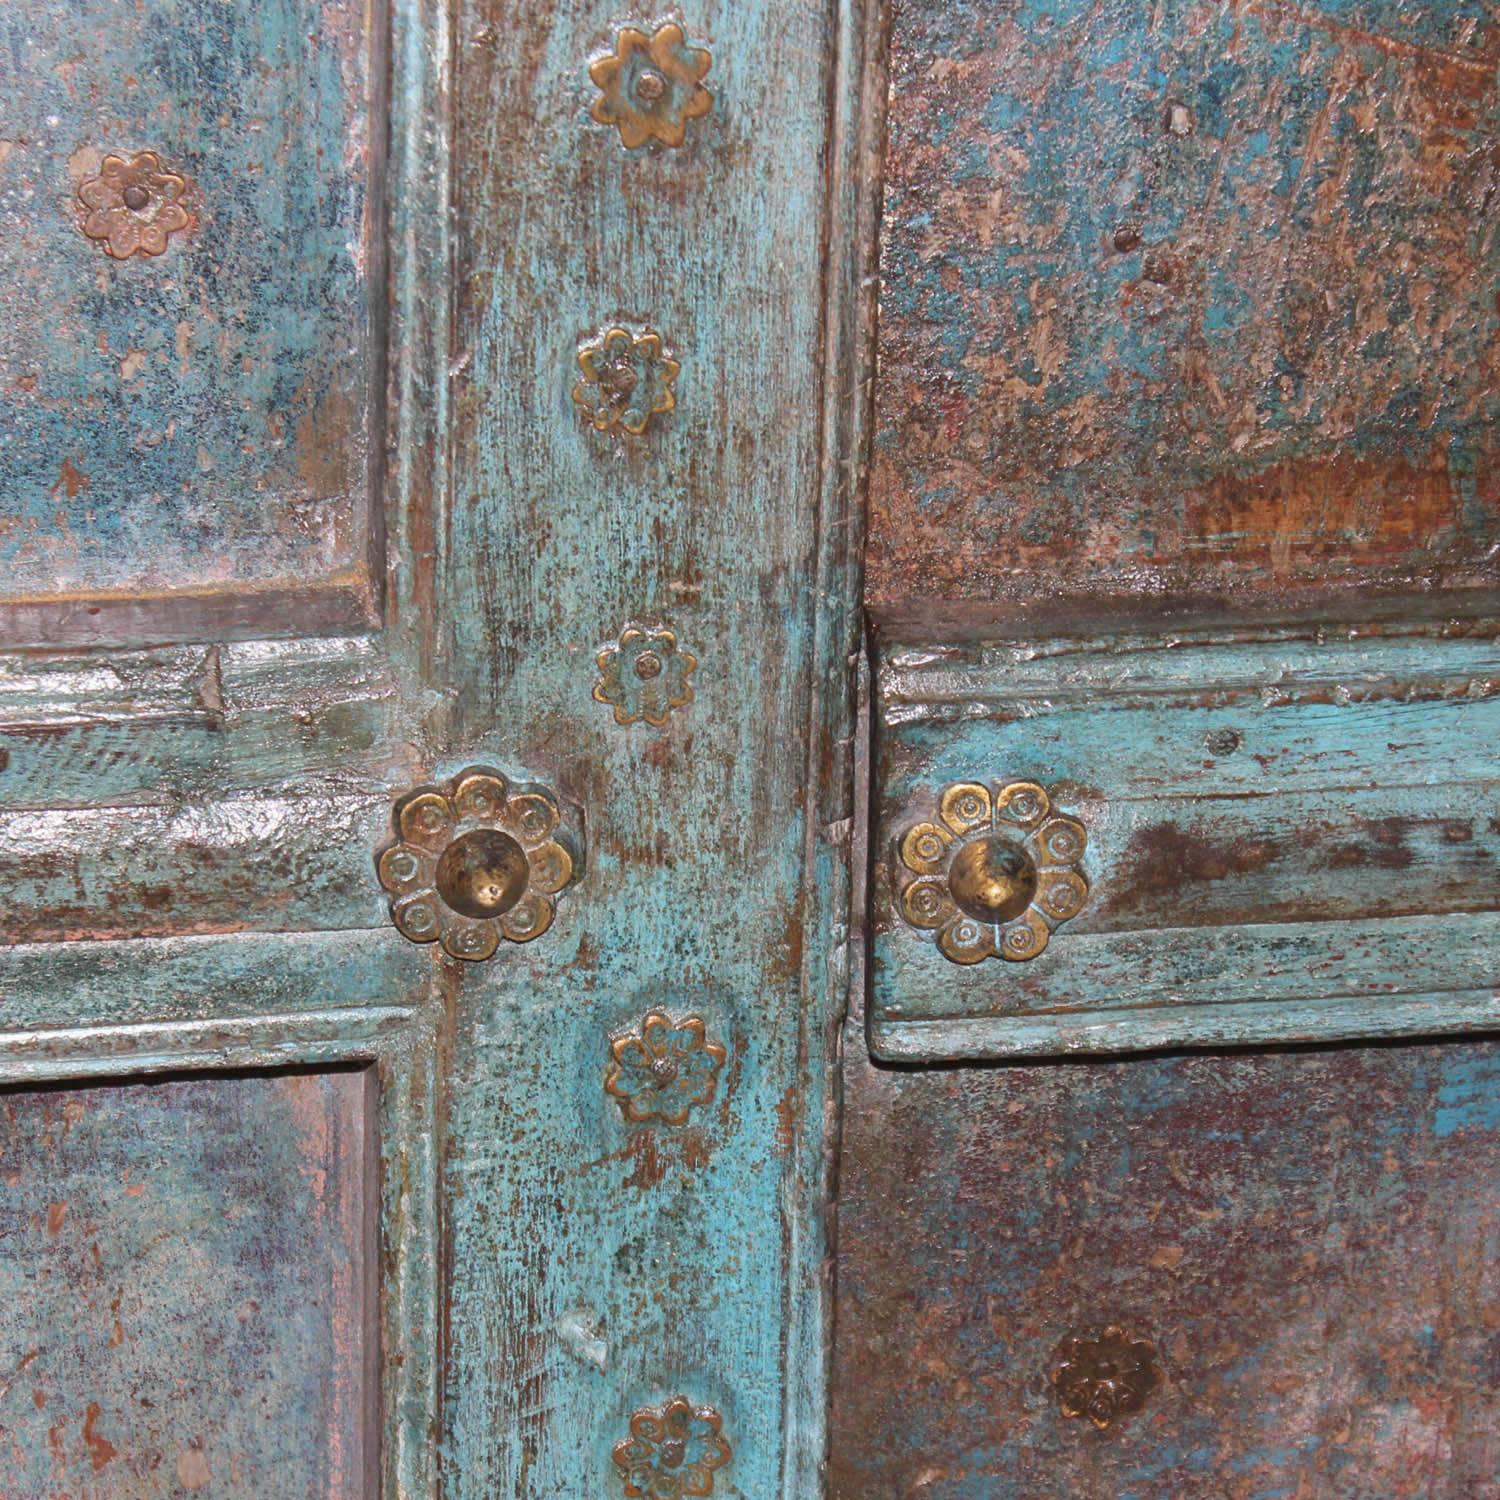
(654,552)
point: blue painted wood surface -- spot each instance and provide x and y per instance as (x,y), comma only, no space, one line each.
(1187,310)
(717,863)
(136,1010)
(1288,840)
(187,829)
(1309,1238)
(201,417)
(187,1276)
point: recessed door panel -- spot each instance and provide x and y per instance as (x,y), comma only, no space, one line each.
(186,1273)
(187,354)
(1308,1240)
(1186,310)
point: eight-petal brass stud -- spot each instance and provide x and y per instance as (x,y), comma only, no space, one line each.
(644,675)
(663,1069)
(1104,1378)
(627,379)
(995,874)
(474,861)
(132,205)
(650,86)
(672,1451)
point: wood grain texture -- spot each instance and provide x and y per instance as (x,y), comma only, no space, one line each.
(186,1272)
(1186,312)
(1275,829)
(1308,1237)
(205,419)
(716,866)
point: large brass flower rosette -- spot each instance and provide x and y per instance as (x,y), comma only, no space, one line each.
(475,861)
(994,874)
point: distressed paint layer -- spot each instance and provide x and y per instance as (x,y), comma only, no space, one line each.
(716,880)
(1277,831)
(1311,1240)
(183,1267)
(1186,308)
(202,417)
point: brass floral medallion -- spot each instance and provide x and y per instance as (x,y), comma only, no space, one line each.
(995,874)
(644,675)
(651,85)
(663,1069)
(475,861)
(133,205)
(1104,1378)
(627,378)
(672,1451)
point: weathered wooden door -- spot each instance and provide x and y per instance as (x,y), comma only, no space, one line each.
(1182,570)
(426,597)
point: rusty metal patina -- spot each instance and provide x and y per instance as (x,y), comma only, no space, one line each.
(627,379)
(650,86)
(663,1069)
(476,861)
(1104,1377)
(995,874)
(644,675)
(673,1451)
(133,205)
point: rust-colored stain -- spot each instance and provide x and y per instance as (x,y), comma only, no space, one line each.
(788,1119)
(70,481)
(55,1214)
(101,1450)
(1355,510)
(1163,859)
(650,1168)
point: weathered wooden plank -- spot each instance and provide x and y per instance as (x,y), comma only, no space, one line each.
(1107,1028)
(1243,798)
(1163,977)
(194,723)
(246,864)
(1329,665)
(49,985)
(1250,749)
(1310,1239)
(188,1280)
(1186,313)
(1289,856)
(695,1251)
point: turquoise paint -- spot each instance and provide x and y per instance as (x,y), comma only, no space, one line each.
(1468,1097)
(716,873)
(1296,871)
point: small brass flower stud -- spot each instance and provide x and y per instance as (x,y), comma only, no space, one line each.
(1104,1378)
(664,1069)
(644,675)
(132,205)
(474,861)
(651,86)
(995,874)
(627,379)
(673,1451)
